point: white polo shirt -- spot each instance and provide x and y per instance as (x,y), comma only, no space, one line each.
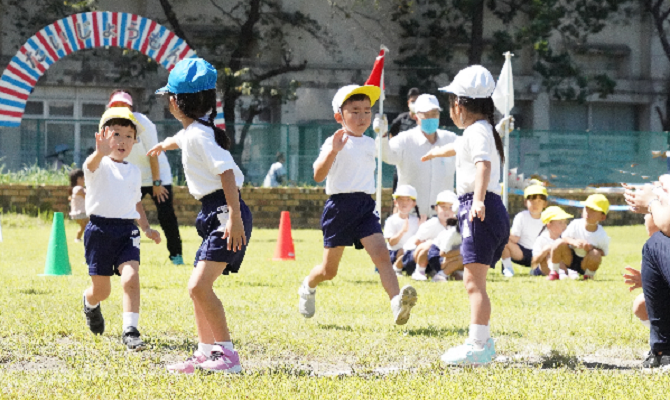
(204,160)
(598,239)
(526,228)
(394,224)
(113,190)
(354,167)
(428,178)
(138,155)
(448,240)
(477,144)
(429,230)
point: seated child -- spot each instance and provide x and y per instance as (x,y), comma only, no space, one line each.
(555,223)
(585,242)
(417,248)
(401,226)
(525,229)
(445,253)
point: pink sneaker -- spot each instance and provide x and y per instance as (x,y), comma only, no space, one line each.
(222,360)
(188,366)
(553,276)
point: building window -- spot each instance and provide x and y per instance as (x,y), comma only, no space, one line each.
(572,116)
(34,108)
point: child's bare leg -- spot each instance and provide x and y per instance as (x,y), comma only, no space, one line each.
(421,254)
(561,254)
(475,284)
(99,290)
(592,260)
(640,308)
(453,261)
(82,227)
(376,248)
(398,260)
(205,334)
(513,251)
(544,266)
(200,287)
(130,282)
(327,270)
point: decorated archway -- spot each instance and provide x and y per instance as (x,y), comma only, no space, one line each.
(77,32)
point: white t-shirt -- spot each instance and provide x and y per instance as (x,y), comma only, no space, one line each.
(541,243)
(429,230)
(276,169)
(113,190)
(477,144)
(354,167)
(577,230)
(204,160)
(428,178)
(394,224)
(138,155)
(526,228)
(448,240)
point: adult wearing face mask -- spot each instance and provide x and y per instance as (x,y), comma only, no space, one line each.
(405,152)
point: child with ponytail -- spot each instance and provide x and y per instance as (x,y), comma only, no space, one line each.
(482,217)
(224,222)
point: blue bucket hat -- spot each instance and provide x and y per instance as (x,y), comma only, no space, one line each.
(190,75)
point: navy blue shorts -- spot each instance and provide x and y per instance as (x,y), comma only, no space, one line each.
(408,262)
(527,256)
(394,255)
(347,218)
(212,216)
(434,259)
(110,242)
(483,242)
(576,264)
(536,272)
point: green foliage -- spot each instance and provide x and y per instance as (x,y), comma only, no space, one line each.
(35,175)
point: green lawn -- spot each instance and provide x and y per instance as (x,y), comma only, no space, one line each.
(554,339)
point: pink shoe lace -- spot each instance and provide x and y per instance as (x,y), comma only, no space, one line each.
(188,366)
(222,360)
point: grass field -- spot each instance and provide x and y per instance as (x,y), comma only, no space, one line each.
(554,339)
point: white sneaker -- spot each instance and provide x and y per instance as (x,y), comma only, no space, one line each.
(440,277)
(572,274)
(307,303)
(508,272)
(402,304)
(468,354)
(419,276)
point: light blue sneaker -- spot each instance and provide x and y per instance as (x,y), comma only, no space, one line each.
(177,260)
(467,354)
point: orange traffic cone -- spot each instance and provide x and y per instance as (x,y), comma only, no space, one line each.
(284,250)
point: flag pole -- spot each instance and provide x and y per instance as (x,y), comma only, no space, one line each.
(378,197)
(509,89)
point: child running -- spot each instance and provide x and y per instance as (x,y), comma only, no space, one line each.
(585,242)
(78,201)
(555,223)
(224,222)
(347,163)
(111,239)
(482,217)
(401,226)
(526,228)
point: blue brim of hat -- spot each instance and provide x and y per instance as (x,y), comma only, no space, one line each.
(163,90)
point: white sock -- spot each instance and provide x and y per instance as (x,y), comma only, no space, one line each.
(555,266)
(562,272)
(479,334)
(589,273)
(507,263)
(421,269)
(130,319)
(646,323)
(205,348)
(225,345)
(397,270)
(304,283)
(89,305)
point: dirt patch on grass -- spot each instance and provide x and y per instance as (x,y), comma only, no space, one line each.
(38,363)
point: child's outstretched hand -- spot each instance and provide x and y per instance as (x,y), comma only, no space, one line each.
(339,140)
(478,210)
(234,232)
(156,150)
(153,235)
(103,143)
(428,156)
(633,278)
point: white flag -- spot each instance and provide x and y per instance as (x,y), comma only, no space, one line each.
(503,95)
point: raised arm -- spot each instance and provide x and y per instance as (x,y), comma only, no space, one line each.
(102,148)
(448,150)
(326,159)
(167,144)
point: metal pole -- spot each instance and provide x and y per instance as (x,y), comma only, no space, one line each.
(508,57)
(378,202)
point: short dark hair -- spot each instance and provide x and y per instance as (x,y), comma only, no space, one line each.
(280,156)
(120,122)
(413,92)
(75,174)
(196,106)
(356,97)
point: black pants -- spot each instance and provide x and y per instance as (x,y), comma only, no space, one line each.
(655,278)
(167,219)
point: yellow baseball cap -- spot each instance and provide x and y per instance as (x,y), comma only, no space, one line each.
(119,112)
(554,213)
(598,202)
(534,189)
(373,92)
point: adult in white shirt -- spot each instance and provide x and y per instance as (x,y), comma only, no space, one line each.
(156,175)
(405,151)
(276,174)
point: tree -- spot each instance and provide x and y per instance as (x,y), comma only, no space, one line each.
(250,49)
(659,11)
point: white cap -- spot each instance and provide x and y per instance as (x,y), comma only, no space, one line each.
(447,196)
(405,190)
(475,82)
(425,103)
(345,92)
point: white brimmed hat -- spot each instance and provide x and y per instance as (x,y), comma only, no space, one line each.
(475,82)
(446,196)
(373,92)
(405,190)
(425,103)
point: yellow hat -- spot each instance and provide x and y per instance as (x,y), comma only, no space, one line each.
(598,202)
(119,112)
(373,92)
(553,213)
(534,189)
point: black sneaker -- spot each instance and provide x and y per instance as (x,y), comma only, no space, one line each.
(656,361)
(131,338)
(94,319)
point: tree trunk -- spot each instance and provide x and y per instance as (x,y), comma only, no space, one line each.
(476,36)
